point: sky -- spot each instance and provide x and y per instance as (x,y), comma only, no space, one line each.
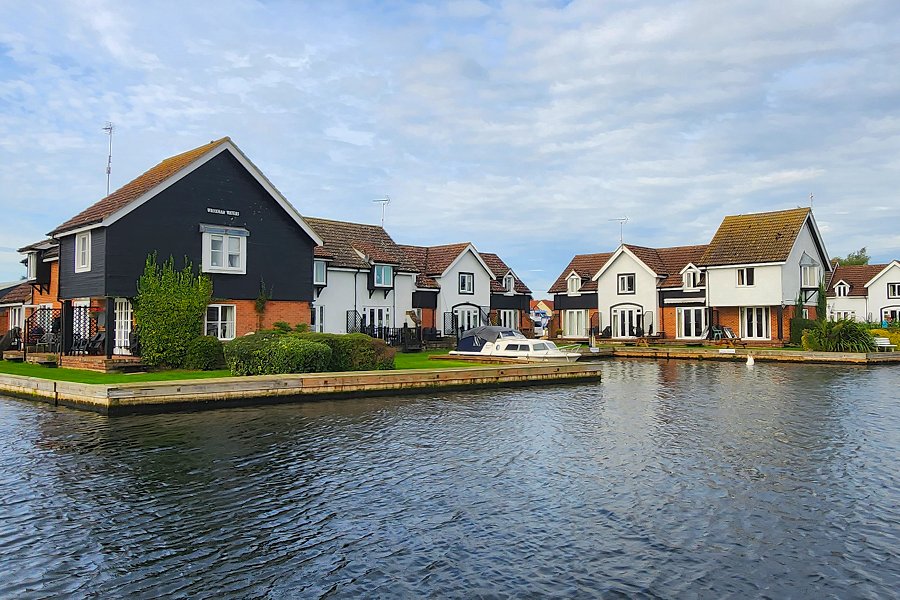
(525,128)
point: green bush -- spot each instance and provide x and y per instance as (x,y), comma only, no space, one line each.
(798,326)
(354,351)
(168,311)
(281,326)
(204,353)
(839,336)
(273,353)
(891,334)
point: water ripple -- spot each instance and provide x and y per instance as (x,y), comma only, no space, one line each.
(669,479)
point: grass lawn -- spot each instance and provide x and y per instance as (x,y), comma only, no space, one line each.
(420,360)
(402,361)
(82,376)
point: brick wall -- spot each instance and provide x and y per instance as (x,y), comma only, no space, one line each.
(247,319)
(51,296)
(668,322)
(4,321)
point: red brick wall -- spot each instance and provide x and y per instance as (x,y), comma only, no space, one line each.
(668,322)
(51,296)
(4,321)
(247,319)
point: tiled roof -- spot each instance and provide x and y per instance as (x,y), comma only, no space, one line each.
(755,238)
(136,188)
(438,258)
(345,241)
(675,259)
(586,265)
(856,275)
(500,269)
(418,255)
(20,293)
(547,303)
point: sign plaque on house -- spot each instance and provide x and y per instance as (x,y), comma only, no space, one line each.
(222,211)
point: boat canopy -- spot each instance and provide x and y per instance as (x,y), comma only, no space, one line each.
(474,339)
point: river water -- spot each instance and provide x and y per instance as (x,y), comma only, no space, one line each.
(669,479)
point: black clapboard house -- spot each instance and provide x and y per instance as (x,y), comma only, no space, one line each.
(210,205)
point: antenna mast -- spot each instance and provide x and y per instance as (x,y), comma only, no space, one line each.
(810,199)
(622,221)
(109,128)
(384,202)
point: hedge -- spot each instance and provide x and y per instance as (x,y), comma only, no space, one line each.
(892,334)
(798,326)
(274,353)
(204,353)
(354,351)
(839,336)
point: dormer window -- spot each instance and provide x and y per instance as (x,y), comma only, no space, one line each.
(691,279)
(626,283)
(573,284)
(809,276)
(31,263)
(841,290)
(509,283)
(384,276)
(83,252)
(320,272)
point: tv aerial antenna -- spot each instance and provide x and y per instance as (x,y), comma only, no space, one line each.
(109,128)
(384,202)
(622,221)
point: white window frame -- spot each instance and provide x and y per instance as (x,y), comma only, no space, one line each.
(467,283)
(841,290)
(509,283)
(895,292)
(844,314)
(378,316)
(750,328)
(573,283)
(83,252)
(624,280)
(219,322)
(318,318)
(805,313)
(317,264)
(681,314)
(575,323)
(508,317)
(745,274)
(691,279)
(31,266)
(809,276)
(208,267)
(467,317)
(378,276)
(16,317)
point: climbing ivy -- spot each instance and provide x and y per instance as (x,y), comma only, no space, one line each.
(169,310)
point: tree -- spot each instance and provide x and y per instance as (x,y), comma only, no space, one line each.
(169,309)
(821,303)
(860,257)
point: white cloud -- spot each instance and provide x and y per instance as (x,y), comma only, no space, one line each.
(484,122)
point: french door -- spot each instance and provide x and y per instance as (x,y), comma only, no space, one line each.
(626,321)
(755,323)
(123,313)
(467,317)
(691,323)
(575,325)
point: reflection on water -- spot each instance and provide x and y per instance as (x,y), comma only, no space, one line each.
(668,479)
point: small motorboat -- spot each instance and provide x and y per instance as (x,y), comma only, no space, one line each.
(504,342)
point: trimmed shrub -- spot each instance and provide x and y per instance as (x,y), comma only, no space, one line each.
(204,353)
(891,334)
(168,310)
(274,353)
(798,326)
(281,326)
(839,336)
(354,351)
